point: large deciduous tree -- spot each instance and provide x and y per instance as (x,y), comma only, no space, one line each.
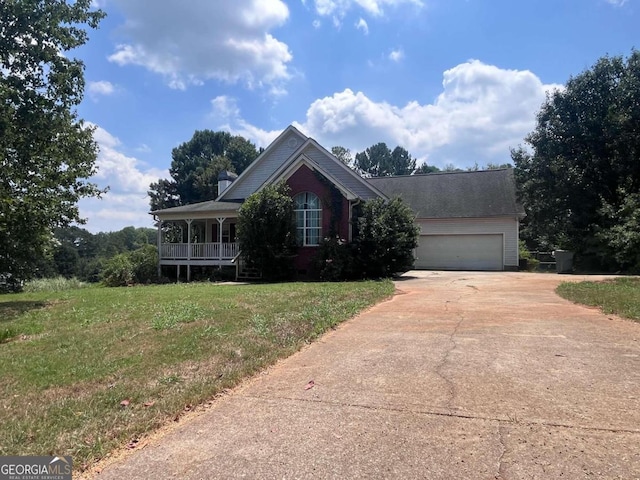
(195,167)
(46,152)
(580,180)
(379,161)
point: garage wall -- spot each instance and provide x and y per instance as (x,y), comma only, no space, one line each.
(508,226)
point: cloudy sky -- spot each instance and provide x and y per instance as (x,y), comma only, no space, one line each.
(453,81)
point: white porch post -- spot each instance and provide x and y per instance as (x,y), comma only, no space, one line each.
(220,222)
(159,248)
(189,220)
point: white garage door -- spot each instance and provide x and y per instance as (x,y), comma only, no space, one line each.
(460,252)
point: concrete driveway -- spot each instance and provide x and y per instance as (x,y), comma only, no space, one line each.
(460,375)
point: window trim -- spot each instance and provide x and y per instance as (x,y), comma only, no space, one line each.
(302,240)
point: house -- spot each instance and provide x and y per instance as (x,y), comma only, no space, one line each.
(468,220)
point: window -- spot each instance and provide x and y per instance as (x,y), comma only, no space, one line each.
(308,213)
(228,232)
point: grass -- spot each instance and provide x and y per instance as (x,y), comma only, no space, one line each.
(57,284)
(69,358)
(620,296)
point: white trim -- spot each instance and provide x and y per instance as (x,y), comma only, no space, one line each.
(304,227)
(198,215)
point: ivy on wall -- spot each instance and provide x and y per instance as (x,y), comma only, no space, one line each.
(335,203)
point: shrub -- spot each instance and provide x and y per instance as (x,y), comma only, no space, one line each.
(386,237)
(10,284)
(524,254)
(334,260)
(145,264)
(138,266)
(267,233)
(118,271)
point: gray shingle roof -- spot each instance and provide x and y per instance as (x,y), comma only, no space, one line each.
(487,193)
(210,206)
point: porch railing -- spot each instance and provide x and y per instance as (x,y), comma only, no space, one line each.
(199,251)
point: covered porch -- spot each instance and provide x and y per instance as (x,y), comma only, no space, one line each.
(194,235)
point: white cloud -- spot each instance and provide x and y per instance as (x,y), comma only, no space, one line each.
(316,24)
(396,55)
(143,148)
(126,203)
(190,42)
(339,8)
(361,24)
(226,116)
(101,88)
(482,111)
(616,3)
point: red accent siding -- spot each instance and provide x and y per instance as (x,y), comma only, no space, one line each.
(305,180)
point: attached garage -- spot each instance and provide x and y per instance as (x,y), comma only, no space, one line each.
(460,252)
(467,220)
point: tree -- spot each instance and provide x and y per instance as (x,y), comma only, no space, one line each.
(401,162)
(582,168)
(450,168)
(424,168)
(266,231)
(195,167)
(379,161)
(497,166)
(386,237)
(47,153)
(343,154)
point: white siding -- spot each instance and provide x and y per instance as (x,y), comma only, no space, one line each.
(249,183)
(358,186)
(508,226)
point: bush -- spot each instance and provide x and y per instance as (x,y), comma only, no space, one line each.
(385,240)
(138,266)
(527,260)
(10,284)
(118,271)
(266,232)
(335,260)
(145,264)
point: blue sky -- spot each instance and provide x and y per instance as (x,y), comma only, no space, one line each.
(453,81)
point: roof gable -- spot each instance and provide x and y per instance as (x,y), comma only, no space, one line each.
(486,193)
(290,147)
(277,153)
(311,153)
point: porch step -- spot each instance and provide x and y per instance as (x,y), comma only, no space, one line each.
(249,274)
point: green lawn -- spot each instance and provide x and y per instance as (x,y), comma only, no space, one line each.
(68,359)
(620,296)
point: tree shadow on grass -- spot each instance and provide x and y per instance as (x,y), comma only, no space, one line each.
(10,310)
